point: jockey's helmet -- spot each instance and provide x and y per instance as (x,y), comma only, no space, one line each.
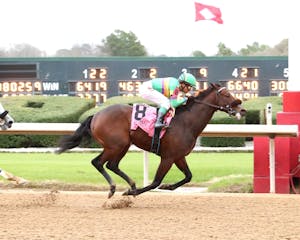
(187,78)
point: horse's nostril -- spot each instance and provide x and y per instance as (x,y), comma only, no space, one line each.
(9,124)
(243,112)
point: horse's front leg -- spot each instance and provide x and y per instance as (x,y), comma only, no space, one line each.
(182,166)
(163,168)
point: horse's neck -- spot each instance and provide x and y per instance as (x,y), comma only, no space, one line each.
(199,116)
(205,114)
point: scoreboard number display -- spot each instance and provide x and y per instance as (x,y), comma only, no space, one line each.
(93,85)
(245,82)
(20,88)
(246,72)
(201,75)
(147,73)
(138,76)
(278,86)
(19,79)
(95,73)
(102,78)
(199,72)
(129,88)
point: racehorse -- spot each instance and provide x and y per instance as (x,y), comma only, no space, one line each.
(110,127)
(6,120)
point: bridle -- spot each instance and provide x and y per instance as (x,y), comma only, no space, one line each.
(5,120)
(228,108)
(2,118)
(2,115)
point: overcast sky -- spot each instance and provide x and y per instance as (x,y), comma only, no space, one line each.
(163,26)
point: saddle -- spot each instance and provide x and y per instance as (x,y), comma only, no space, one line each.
(144,117)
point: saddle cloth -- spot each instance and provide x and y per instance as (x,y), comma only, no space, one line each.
(144,116)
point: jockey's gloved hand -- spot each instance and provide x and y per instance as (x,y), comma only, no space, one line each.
(171,111)
(190,97)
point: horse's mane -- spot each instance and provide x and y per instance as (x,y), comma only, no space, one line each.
(199,95)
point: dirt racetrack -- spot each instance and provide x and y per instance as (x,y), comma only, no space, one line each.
(31,214)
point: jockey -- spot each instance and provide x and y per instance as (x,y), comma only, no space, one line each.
(167,92)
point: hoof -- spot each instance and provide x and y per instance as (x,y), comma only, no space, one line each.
(127,193)
(130,192)
(165,187)
(110,194)
(112,191)
(21,181)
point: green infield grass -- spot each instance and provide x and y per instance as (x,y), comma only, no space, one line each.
(75,168)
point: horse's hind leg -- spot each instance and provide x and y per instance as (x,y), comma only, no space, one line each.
(113,165)
(182,166)
(98,164)
(112,157)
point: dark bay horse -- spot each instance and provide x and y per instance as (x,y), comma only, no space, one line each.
(111,128)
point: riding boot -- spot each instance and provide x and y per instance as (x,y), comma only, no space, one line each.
(160,120)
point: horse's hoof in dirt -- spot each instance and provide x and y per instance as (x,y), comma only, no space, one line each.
(21,181)
(129,192)
(165,187)
(125,193)
(110,194)
(112,191)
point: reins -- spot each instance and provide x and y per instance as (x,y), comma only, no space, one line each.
(226,109)
(209,104)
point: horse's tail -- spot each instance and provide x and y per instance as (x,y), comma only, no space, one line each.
(69,142)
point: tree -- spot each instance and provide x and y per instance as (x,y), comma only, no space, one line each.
(253,50)
(83,50)
(63,53)
(198,53)
(281,49)
(24,50)
(224,51)
(121,43)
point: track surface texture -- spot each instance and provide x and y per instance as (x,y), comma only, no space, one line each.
(50,215)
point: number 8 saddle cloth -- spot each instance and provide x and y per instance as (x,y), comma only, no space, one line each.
(144,116)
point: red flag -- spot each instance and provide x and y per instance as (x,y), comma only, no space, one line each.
(206,12)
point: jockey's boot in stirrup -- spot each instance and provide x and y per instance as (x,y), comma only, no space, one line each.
(160,120)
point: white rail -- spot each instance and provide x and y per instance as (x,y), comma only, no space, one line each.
(211,130)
